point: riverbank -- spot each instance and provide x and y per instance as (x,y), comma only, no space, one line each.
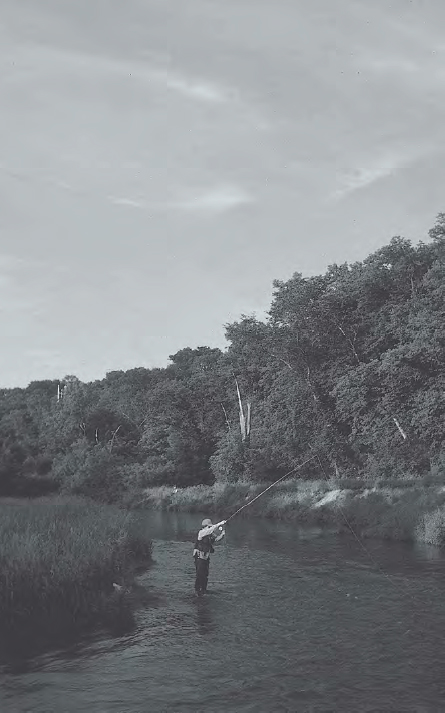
(60,558)
(397,510)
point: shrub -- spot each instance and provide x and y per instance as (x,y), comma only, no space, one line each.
(431,527)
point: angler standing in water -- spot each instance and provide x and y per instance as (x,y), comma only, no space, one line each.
(206,537)
(203,549)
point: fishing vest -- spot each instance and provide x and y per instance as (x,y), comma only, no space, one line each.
(204,547)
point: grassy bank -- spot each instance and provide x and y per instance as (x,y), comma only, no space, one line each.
(59,558)
(398,510)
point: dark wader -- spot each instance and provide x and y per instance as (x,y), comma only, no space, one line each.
(203,550)
(202,574)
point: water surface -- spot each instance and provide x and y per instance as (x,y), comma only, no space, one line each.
(295,620)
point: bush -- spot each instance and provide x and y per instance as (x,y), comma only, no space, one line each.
(431,527)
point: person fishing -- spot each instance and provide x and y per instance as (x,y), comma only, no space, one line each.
(206,537)
(202,551)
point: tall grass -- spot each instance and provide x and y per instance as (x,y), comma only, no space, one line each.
(59,558)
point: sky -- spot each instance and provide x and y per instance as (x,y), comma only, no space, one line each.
(163,161)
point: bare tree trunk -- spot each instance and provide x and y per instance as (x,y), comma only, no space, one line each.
(402,432)
(248,421)
(350,342)
(113,437)
(226,417)
(244,419)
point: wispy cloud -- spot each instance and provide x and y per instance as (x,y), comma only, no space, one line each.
(155,69)
(216,200)
(364,176)
(420,70)
(373,170)
(129,202)
(199,88)
(192,87)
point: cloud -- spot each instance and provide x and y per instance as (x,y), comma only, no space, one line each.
(145,71)
(152,68)
(190,87)
(419,71)
(130,202)
(217,200)
(387,164)
(364,176)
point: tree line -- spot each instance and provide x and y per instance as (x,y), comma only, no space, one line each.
(348,365)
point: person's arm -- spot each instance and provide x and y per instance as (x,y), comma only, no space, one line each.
(219,537)
(210,529)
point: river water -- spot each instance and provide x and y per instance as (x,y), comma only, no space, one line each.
(295,620)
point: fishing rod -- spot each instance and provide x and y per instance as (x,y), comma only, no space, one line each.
(286,475)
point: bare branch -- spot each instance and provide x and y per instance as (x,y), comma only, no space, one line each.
(402,432)
(113,437)
(350,342)
(249,413)
(242,420)
(288,364)
(225,415)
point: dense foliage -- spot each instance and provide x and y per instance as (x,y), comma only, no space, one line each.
(349,365)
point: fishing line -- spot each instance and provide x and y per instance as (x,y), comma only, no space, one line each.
(346,519)
(365,549)
(270,486)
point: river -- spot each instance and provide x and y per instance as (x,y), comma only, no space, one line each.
(295,620)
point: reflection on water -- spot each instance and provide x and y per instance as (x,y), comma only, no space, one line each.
(204,618)
(295,620)
(428,552)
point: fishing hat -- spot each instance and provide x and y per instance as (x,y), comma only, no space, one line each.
(206,522)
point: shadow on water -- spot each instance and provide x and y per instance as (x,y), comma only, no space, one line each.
(27,649)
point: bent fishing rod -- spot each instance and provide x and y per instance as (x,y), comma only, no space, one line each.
(286,475)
